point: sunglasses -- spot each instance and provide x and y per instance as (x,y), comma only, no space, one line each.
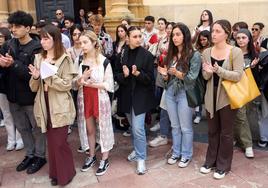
(58,13)
(254,29)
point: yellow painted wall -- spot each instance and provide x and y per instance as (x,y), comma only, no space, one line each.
(188,11)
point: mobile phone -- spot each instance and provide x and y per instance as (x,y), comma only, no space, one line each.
(84,67)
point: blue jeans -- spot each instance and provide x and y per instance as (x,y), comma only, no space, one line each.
(180,115)
(164,123)
(138,134)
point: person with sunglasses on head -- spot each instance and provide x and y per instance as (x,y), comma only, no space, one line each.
(235,28)
(256,31)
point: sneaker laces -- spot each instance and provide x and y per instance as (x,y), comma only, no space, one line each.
(184,160)
(89,160)
(102,163)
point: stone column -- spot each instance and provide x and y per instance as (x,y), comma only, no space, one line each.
(3,10)
(116,10)
(25,5)
(139,10)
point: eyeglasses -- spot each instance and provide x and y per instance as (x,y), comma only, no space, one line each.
(254,29)
(58,13)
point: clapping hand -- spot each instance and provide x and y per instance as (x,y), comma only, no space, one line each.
(135,71)
(125,71)
(35,72)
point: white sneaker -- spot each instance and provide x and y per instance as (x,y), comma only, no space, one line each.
(132,156)
(218,174)
(2,123)
(19,146)
(173,159)
(69,130)
(156,127)
(197,119)
(158,141)
(10,147)
(249,152)
(127,133)
(184,162)
(205,169)
(141,168)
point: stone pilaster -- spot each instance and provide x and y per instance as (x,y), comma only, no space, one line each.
(25,5)
(3,10)
(116,10)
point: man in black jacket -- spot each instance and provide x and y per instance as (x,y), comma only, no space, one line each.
(16,55)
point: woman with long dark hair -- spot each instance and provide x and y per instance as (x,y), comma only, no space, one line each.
(203,42)
(134,75)
(221,62)
(181,73)
(206,20)
(54,108)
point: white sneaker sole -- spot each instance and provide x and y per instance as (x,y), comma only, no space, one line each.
(102,173)
(86,169)
(158,144)
(203,170)
(218,176)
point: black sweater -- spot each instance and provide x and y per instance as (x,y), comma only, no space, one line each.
(16,77)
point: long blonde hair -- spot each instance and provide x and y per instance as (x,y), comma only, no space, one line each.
(94,39)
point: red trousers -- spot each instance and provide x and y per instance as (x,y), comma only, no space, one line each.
(60,158)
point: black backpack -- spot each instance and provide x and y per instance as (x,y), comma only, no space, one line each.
(105,64)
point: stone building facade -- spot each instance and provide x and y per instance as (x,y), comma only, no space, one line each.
(175,10)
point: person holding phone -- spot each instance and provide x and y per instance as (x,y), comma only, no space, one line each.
(94,81)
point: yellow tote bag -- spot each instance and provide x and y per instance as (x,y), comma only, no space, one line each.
(242,92)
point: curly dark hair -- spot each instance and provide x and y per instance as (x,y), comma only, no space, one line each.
(21,18)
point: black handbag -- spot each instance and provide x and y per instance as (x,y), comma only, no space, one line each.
(195,95)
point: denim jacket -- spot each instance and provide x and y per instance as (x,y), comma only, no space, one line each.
(189,79)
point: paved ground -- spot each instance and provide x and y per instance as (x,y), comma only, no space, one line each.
(121,174)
